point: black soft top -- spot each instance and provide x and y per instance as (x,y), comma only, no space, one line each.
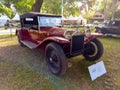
(35,14)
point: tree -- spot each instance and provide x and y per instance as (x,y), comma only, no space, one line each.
(1,8)
(37,5)
(88,8)
(55,7)
(114,8)
(109,8)
(88,15)
(52,6)
(6,10)
(117,15)
(71,8)
(23,6)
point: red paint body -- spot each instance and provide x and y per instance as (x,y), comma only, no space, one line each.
(50,34)
(46,34)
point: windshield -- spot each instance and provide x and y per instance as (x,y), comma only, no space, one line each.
(114,23)
(50,21)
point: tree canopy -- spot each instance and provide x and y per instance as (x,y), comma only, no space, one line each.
(21,6)
(71,7)
(6,10)
(51,6)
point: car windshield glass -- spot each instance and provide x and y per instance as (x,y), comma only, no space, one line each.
(117,23)
(50,21)
(114,23)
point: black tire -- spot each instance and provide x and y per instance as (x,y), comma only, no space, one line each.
(93,50)
(56,59)
(19,40)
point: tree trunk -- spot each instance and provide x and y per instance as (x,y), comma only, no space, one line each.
(115,5)
(105,10)
(37,6)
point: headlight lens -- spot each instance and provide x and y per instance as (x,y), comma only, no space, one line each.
(87,32)
(68,34)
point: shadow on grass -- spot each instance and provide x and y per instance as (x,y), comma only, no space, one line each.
(75,76)
(31,59)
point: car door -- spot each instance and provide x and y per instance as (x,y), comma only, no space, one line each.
(117,27)
(112,28)
(37,35)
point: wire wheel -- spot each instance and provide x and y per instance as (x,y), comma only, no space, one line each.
(93,50)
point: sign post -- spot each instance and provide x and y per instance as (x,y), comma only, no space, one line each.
(10,26)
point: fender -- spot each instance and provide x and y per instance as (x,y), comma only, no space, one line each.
(93,36)
(56,39)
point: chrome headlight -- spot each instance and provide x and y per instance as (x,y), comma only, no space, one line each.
(87,32)
(68,34)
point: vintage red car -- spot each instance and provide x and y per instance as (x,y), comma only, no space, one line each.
(45,30)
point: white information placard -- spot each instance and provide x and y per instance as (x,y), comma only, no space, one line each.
(97,70)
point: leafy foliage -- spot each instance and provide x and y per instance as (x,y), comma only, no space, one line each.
(9,12)
(101,6)
(6,10)
(70,8)
(49,6)
(1,8)
(88,8)
(52,6)
(117,14)
(88,15)
(111,7)
(23,6)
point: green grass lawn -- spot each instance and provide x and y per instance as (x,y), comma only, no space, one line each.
(25,69)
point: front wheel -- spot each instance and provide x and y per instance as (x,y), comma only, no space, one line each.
(93,50)
(56,59)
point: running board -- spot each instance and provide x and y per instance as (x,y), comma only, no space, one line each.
(29,44)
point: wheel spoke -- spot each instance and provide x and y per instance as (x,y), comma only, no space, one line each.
(94,50)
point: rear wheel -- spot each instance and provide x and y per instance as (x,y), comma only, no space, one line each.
(93,50)
(56,59)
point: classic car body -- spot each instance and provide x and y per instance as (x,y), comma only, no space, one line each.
(110,28)
(45,31)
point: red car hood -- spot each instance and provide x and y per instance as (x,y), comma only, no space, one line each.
(54,31)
